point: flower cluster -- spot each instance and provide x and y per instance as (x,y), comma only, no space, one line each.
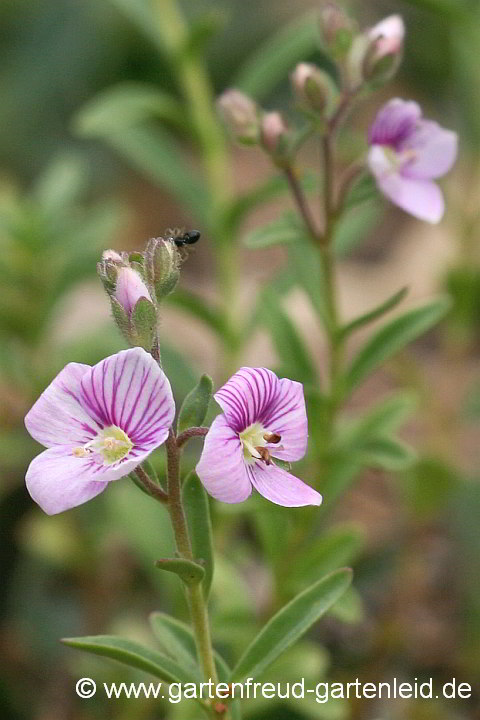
(406,152)
(100,423)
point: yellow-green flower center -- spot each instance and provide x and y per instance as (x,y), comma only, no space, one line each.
(253,437)
(112,443)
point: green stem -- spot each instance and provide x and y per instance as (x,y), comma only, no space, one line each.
(199,100)
(196,599)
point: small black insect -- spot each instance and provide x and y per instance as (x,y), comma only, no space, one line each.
(187,238)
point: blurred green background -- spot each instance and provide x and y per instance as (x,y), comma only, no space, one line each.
(74,181)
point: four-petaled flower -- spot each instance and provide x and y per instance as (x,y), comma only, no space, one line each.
(263,418)
(407,153)
(98,424)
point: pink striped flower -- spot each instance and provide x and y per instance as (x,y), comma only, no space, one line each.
(263,418)
(407,154)
(97,423)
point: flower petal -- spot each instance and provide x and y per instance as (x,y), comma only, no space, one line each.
(57,480)
(129,390)
(287,416)
(394,123)
(435,149)
(421,198)
(222,467)
(282,488)
(246,397)
(58,418)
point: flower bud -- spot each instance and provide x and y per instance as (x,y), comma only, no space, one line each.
(162,266)
(385,49)
(314,88)
(129,289)
(240,114)
(336,28)
(274,135)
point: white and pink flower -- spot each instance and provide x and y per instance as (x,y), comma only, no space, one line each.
(97,423)
(263,418)
(407,153)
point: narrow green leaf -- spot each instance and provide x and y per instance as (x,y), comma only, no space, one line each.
(124,105)
(364,188)
(269,65)
(392,338)
(349,608)
(388,454)
(293,355)
(286,229)
(353,226)
(200,527)
(195,406)
(198,307)
(190,572)
(382,420)
(305,263)
(155,152)
(176,638)
(374,314)
(290,623)
(133,654)
(339,547)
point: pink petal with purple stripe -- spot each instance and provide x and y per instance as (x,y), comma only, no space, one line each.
(130,391)
(435,151)
(287,416)
(247,396)
(58,481)
(282,488)
(395,122)
(58,417)
(222,468)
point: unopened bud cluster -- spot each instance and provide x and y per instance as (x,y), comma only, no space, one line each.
(136,283)
(361,59)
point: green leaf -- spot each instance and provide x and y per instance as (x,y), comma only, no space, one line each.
(339,547)
(133,654)
(190,572)
(269,65)
(374,314)
(286,229)
(141,14)
(349,608)
(176,638)
(198,308)
(155,152)
(353,226)
(197,510)
(384,419)
(293,355)
(305,264)
(364,188)
(274,186)
(195,406)
(392,338)
(290,623)
(388,454)
(125,105)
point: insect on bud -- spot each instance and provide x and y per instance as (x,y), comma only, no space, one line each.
(385,49)
(241,116)
(314,88)
(162,265)
(337,29)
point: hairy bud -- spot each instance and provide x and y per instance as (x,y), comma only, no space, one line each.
(314,88)
(385,49)
(162,266)
(337,29)
(241,116)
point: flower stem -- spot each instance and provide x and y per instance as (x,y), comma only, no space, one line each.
(196,599)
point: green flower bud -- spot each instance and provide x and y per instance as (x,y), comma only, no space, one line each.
(241,116)
(337,29)
(162,266)
(314,88)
